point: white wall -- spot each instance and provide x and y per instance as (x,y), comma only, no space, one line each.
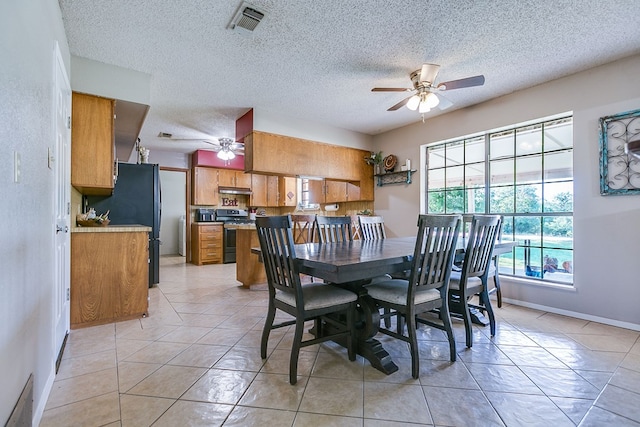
(606,229)
(173,185)
(29,30)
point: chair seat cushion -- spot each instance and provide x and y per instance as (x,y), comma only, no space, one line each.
(318,295)
(395,292)
(456,276)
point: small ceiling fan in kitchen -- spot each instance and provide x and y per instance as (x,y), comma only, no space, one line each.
(227,148)
(427,94)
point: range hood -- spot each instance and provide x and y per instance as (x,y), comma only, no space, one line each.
(234,190)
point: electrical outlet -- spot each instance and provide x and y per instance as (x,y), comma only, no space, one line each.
(16,167)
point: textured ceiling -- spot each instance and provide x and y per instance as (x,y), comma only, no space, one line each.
(318,60)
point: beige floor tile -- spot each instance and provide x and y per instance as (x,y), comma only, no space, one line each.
(150,333)
(96,411)
(241,359)
(434,350)
(200,355)
(395,402)
(279,360)
(575,409)
(313,420)
(502,378)
(554,340)
(219,336)
(384,423)
(157,352)
(437,373)
(517,409)
(561,383)
(619,343)
(401,376)
(203,320)
(168,381)
(531,356)
(626,379)
(274,391)
(333,397)
(597,417)
(243,416)
(337,365)
(194,414)
(620,401)
(185,334)
(81,365)
(458,407)
(484,353)
(632,362)
(142,411)
(220,386)
(589,360)
(82,347)
(82,387)
(131,373)
(125,347)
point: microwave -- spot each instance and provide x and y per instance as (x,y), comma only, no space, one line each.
(205,215)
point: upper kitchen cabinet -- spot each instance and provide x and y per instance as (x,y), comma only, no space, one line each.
(205,186)
(234,178)
(264,191)
(92,144)
(287,191)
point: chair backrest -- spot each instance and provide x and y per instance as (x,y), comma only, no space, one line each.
(433,254)
(480,241)
(303,228)
(332,229)
(278,255)
(371,227)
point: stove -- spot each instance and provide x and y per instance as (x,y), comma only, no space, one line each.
(230,217)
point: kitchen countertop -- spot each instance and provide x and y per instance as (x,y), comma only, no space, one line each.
(133,228)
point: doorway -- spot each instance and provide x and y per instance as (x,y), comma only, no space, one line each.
(173,219)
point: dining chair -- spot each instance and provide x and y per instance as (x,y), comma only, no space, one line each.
(427,287)
(371,227)
(303,228)
(493,267)
(472,278)
(309,302)
(332,229)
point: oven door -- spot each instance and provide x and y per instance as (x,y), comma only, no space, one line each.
(229,244)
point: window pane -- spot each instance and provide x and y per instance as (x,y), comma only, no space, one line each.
(455,201)
(501,171)
(501,145)
(528,169)
(529,198)
(435,157)
(529,140)
(435,179)
(435,202)
(475,200)
(558,197)
(532,260)
(502,199)
(474,150)
(507,229)
(474,175)
(558,134)
(455,177)
(558,232)
(528,230)
(558,165)
(558,265)
(455,153)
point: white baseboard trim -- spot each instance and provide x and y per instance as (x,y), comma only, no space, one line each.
(611,322)
(44,397)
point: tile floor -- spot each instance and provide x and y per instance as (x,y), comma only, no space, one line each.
(196,361)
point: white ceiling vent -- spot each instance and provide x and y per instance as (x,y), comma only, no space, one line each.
(246,19)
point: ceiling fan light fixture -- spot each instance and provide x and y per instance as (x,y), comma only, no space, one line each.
(413,102)
(432,100)
(424,107)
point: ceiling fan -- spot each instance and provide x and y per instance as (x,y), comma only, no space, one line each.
(426,92)
(227,148)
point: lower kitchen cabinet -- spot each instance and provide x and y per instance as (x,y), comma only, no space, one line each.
(206,243)
(249,269)
(109,276)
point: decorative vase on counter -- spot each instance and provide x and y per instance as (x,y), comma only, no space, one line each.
(377,168)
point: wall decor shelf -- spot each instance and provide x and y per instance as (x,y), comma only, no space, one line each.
(400,177)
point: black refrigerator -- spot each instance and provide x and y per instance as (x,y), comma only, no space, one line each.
(135,200)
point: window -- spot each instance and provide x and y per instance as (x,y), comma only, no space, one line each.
(524,173)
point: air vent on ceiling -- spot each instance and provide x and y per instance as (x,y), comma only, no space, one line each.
(246,19)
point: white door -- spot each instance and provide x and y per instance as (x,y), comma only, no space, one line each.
(60,161)
(174,200)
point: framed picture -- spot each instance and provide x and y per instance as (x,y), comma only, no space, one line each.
(619,171)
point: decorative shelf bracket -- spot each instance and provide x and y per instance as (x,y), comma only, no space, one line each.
(401,177)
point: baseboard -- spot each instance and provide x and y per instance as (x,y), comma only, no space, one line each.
(39,409)
(603,320)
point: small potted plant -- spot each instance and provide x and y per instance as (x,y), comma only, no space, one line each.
(375,159)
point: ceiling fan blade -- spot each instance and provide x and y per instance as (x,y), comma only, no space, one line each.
(444,102)
(429,72)
(461,83)
(400,104)
(390,89)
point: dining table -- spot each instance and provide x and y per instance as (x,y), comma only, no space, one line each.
(353,264)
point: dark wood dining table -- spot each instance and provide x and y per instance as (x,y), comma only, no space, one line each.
(353,264)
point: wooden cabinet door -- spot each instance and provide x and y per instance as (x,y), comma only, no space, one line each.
(353,191)
(335,191)
(243,180)
(205,186)
(226,178)
(259,191)
(92,144)
(288,191)
(316,190)
(273,191)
